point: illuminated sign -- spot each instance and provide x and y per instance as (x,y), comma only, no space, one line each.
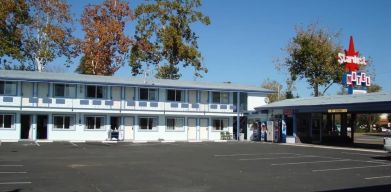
(355,80)
(337,110)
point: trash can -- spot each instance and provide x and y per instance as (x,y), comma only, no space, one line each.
(241,137)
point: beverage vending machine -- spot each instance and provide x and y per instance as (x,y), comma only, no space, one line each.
(283,131)
(276,131)
(270,130)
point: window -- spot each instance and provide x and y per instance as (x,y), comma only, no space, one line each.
(94,122)
(8,88)
(148,123)
(175,124)
(6,121)
(175,95)
(148,94)
(220,97)
(95,91)
(220,124)
(63,121)
(64,90)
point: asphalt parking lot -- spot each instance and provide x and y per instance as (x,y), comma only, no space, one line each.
(194,167)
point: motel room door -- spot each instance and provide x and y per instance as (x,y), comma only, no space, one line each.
(128,128)
(203,130)
(192,129)
(316,128)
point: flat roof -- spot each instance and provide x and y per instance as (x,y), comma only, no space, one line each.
(380,101)
(129,81)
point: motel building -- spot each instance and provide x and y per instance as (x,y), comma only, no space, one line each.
(73,107)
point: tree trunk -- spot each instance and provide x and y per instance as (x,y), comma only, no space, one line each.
(316,90)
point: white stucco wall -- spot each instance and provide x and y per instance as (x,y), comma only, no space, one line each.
(255,100)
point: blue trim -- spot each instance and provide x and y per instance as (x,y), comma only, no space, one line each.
(60,101)
(174,105)
(46,100)
(84,102)
(131,103)
(108,102)
(33,100)
(96,102)
(184,105)
(195,106)
(8,99)
(140,85)
(153,104)
(213,106)
(142,104)
(223,106)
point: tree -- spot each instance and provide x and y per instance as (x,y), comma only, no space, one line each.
(276,87)
(312,55)
(105,45)
(374,88)
(13,16)
(289,89)
(164,38)
(49,34)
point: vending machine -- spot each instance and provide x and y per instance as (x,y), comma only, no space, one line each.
(276,131)
(283,131)
(270,130)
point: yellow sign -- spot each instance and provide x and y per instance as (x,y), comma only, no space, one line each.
(337,110)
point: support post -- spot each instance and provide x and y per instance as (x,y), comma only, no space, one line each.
(238,116)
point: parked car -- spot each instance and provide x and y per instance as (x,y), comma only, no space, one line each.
(387,143)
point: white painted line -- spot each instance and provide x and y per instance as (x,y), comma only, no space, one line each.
(74,144)
(13,172)
(167,141)
(350,168)
(380,177)
(45,141)
(363,154)
(11,165)
(311,162)
(10,141)
(109,141)
(268,158)
(15,183)
(77,141)
(36,143)
(252,154)
(338,148)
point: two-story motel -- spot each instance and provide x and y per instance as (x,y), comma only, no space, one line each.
(74,107)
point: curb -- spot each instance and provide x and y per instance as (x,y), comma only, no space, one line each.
(338,148)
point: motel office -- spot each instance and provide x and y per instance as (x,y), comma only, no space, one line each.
(57,106)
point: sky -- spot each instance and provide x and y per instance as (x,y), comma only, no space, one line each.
(246,37)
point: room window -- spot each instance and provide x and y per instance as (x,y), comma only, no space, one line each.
(148,94)
(95,91)
(175,124)
(64,90)
(8,88)
(6,121)
(220,124)
(148,123)
(94,122)
(220,97)
(63,121)
(175,95)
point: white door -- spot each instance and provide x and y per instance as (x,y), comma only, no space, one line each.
(128,128)
(203,129)
(191,129)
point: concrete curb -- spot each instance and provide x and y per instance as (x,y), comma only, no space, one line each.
(338,148)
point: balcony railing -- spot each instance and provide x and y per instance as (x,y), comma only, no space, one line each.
(104,104)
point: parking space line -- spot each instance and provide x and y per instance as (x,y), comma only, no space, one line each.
(350,168)
(287,157)
(11,165)
(74,144)
(363,154)
(250,154)
(380,177)
(310,162)
(37,144)
(16,172)
(15,183)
